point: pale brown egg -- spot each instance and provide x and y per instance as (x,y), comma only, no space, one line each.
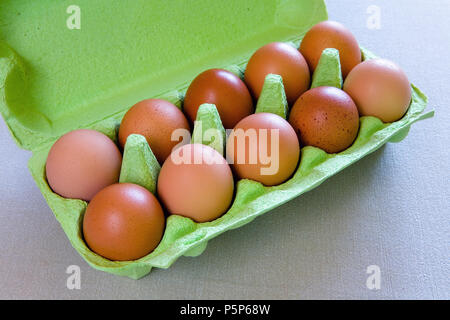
(81,163)
(331,34)
(196,182)
(263,147)
(156,120)
(281,59)
(380,89)
(326,118)
(223,89)
(123,222)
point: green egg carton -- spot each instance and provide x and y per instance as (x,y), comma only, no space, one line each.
(57,75)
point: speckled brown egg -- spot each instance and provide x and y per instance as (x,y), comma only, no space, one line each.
(326,118)
(331,34)
(281,59)
(156,120)
(81,163)
(123,222)
(223,89)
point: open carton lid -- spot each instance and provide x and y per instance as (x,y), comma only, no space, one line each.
(54,79)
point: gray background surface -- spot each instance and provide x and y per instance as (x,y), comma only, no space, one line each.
(391,209)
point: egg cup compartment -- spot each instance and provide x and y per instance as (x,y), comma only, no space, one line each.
(139,164)
(208,128)
(328,72)
(182,236)
(273,97)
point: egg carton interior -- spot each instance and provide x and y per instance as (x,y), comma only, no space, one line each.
(184,237)
(53,80)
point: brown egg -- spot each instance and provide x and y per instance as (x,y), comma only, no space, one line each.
(326,118)
(81,163)
(222,88)
(263,147)
(284,60)
(123,222)
(380,89)
(196,182)
(156,120)
(331,34)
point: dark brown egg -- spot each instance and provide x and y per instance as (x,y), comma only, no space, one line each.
(123,222)
(326,118)
(222,88)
